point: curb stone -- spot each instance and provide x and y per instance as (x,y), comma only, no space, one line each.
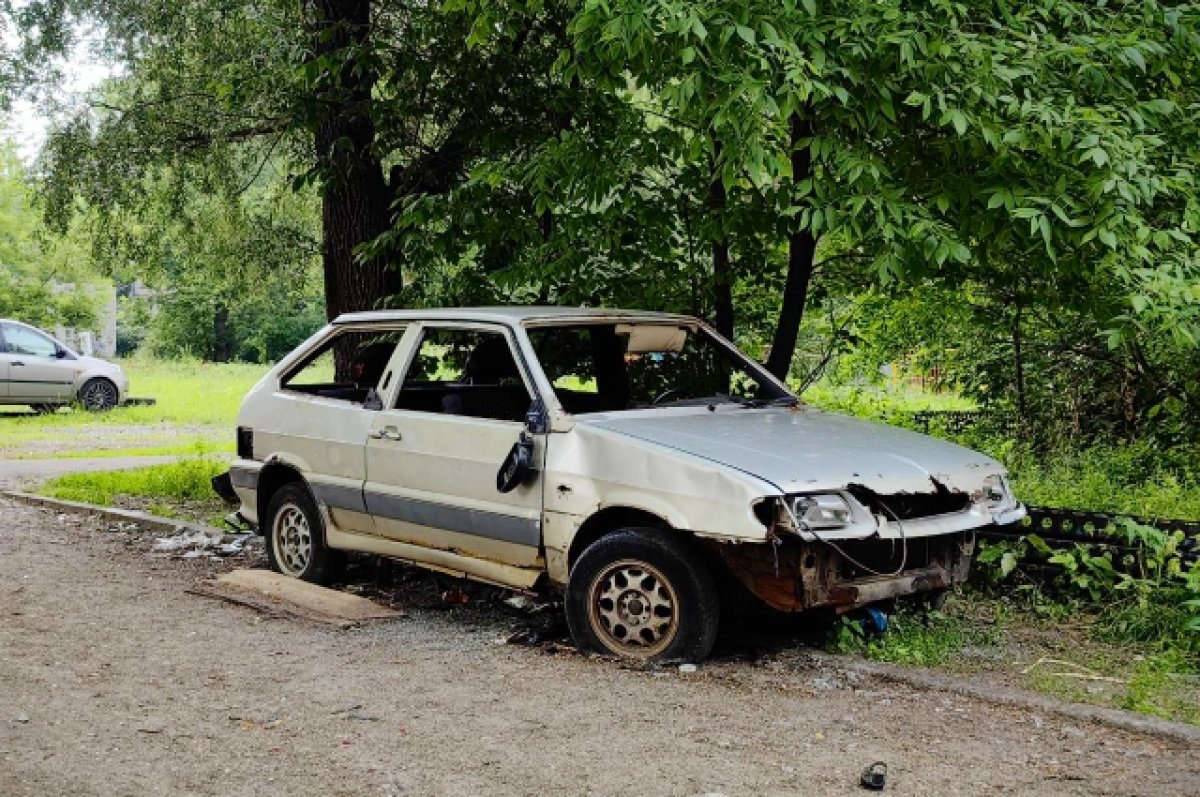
(1018,698)
(168,525)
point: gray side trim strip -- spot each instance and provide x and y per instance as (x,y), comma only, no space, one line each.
(244,477)
(478,523)
(337,496)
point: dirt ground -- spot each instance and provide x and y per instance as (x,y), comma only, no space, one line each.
(115,680)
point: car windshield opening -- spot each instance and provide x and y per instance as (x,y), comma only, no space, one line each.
(610,367)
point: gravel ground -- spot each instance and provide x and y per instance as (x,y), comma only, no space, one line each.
(117,681)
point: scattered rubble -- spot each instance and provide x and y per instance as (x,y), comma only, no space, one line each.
(193,543)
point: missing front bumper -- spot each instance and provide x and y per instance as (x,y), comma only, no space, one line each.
(792,575)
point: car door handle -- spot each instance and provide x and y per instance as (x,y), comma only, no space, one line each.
(17,362)
(386,433)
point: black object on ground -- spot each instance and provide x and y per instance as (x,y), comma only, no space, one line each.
(874,777)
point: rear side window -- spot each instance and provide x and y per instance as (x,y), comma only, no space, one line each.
(346,367)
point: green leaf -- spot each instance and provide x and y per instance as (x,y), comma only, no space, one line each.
(1038,544)
(1134,55)
(746,34)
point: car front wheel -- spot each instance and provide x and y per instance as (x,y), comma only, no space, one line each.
(98,394)
(638,594)
(296,537)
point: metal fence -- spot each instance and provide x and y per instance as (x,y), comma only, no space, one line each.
(1064,527)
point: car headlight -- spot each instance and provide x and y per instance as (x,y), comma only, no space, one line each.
(821,511)
(996,491)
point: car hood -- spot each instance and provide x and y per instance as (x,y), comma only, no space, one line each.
(802,449)
(96,364)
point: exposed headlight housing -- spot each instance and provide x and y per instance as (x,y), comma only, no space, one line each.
(821,511)
(996,491)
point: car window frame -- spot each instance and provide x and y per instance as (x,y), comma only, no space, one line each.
(555,406)
(413,348)
(54,344)
(325,338)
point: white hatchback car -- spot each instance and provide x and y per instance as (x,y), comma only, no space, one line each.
(635,462)
(37,370)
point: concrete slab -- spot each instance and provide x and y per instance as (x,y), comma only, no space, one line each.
(275,593)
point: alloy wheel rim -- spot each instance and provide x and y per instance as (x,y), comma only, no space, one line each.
(98,396)
(292,539)
(633,609)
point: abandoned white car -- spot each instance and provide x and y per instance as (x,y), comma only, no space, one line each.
(37,370)
(635,462)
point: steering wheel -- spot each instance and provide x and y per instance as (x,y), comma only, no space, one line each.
(668,392)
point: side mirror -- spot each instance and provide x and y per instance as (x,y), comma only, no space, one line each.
(61,353)
(517,465)
(372,401)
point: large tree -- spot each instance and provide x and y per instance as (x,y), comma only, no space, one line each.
(378,103)
(687,154)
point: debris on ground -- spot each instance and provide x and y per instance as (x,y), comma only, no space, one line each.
(874,777)
(455,597)
(687,668)
(1075,671)
(194,543)
(522,603)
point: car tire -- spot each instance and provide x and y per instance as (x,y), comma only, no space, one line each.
(99,394)
(45,409)
(295,537)
(638,594)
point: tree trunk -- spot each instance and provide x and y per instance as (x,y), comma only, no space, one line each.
(222,348)
(1019,370)
(722,271)
(355,200)
(802,249)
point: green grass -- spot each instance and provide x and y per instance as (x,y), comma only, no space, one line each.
(915,638)
(1137,480)
(881,402)
(1052,648)
(186,480)
(196,409)
(187,392)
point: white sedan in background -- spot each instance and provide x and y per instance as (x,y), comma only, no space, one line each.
(37,370)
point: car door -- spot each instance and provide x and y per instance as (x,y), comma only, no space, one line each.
(35,372)
(433,455)
(321,414)
(4,370)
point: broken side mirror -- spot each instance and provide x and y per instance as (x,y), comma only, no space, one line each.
(518,465)
(536,420)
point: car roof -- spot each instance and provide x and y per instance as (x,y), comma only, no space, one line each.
(511,314)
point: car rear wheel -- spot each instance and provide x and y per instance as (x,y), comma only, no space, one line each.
(296,537)
(637,594)
(98,394)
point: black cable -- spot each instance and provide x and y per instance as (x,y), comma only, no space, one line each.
(903,541)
